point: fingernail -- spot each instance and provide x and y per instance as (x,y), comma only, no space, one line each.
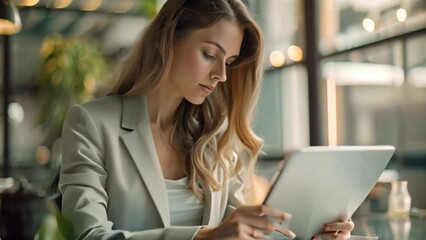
(292,235)
(287,216)
(326,227)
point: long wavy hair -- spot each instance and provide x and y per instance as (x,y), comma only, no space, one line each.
(216,133)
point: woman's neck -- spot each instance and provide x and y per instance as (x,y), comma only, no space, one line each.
(162,107)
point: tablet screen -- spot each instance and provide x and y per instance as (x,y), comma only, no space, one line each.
(319,185)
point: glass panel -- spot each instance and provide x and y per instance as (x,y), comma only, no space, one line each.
(282,118)
(371,99)
(348,23)
(363,95)
(268,118)
(414,104)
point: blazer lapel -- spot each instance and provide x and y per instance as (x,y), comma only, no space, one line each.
(211,206)
(140,144)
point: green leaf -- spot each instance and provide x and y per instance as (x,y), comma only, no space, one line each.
(54,227)
(48,229)
(65,226)
(149,8)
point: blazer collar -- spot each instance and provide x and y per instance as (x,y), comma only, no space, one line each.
(135,111)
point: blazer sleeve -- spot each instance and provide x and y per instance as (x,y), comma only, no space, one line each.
(82,184)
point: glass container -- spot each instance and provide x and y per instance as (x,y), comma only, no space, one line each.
(399,200)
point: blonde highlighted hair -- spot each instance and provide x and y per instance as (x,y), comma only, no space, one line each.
(149,62)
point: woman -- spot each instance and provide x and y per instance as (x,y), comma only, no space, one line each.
(169,154)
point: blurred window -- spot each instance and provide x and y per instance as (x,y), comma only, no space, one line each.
(377,95)
(282,118)
(348,23)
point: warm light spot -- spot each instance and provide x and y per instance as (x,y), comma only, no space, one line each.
(368,24)
(277,58)
(401,15)
(42,155)
(61,3)
(90,84)
(295,53)
(331,112)
(28,3)
(121,6)
(8,27)
(90,5)
(47,47)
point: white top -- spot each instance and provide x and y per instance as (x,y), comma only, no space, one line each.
(185,208)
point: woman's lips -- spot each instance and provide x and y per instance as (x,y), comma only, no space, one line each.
(207,88)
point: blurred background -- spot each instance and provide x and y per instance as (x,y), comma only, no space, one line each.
(337,72)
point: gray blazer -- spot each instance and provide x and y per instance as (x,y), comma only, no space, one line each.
(111,179)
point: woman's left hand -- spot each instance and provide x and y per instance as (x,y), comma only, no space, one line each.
(336,230)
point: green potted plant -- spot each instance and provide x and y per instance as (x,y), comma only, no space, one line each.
(72,71)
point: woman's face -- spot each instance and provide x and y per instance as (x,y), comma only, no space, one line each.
(201,58)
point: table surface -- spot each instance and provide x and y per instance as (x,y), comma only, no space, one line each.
(390,228)
(383,226)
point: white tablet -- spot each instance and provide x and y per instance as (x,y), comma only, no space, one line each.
(318,185)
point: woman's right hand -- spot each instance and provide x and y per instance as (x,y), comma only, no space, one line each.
(247,222)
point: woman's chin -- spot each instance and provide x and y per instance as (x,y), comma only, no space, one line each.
(196,100)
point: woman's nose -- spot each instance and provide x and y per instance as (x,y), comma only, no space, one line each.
(219,72)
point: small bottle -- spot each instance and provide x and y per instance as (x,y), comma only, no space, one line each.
(399,200)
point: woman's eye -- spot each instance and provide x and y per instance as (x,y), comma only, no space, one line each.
(209,57)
